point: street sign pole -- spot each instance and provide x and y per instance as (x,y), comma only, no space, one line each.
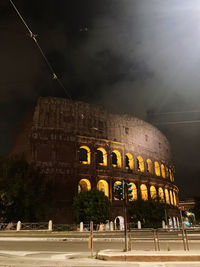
(91,238)
(125,215)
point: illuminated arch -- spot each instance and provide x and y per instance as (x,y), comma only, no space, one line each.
(161,194)
(171,175)
(163,171)
(84,185)
(174,195)
(116,183)
(149,166)
(140,164)
(134,191)
(144,192)
(116,159)
(167,196)
(102,185)
(153,192)
(129,161)
(84,155)
(102,155)
(157,168)
(171,197)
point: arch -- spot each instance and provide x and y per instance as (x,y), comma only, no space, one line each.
(84,155)
(101,156)
(116,159)
(117,182)
(157,168)
(102,185)
(84,185)
(149,166)
(140,164)
(170,175)
(171,197)
(167,172)
(153,192)
(144,192)
(161,194)
(129,161)
(134,191)
(163,171)
(167,196)
(174,195)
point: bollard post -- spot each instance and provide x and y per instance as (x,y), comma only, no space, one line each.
(50,225)
(81,226)
(163,224)
(139,225)
(111,226)
(19,224)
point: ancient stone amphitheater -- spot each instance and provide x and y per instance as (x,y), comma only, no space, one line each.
(79,146)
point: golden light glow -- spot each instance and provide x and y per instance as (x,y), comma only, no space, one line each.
(104,156)
(134,191)
(144,192)
(157,168)
(174,194)
(163,171)
(84,185)
(161,193)
(171,175)
(131,161)
(153,192)
(88,155)
(140,163)
(167,172)
(171,197)
(102,185)
(119,159)
(167,196)
(149,166)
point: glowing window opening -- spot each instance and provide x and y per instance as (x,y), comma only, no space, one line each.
(174,194)
(88,161)
(116,183)
(144,192)
(167,196)
(161,193)
(134,192)
(116,159)
(129,162)
(140,164)
(163,171)
(171,197)
(102,185)
(153,192)
(149,166)
(104,155)
(84,185)
(157,168)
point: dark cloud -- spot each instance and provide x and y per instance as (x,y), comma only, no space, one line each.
(130,56)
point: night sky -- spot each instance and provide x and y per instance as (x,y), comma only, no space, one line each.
(140,57)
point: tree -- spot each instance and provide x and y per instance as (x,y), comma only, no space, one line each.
(23,191)
(150,213)
(91,206)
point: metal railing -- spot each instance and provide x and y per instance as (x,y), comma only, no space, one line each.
(34,226)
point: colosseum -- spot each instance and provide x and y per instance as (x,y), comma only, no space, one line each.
(80,146)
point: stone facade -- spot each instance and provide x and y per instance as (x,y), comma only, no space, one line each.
(58,130)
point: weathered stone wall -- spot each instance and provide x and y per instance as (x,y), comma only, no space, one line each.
(59,127)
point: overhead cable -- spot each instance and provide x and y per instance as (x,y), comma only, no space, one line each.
(33,36)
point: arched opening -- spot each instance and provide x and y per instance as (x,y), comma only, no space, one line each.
(167,172)
(163,171)
(119,223)
(161,194)
(134,191)
(116,183)
(129,162)
(171,175)
(144,192)
(157,168)
(102,185)
(171,197)
(84,155)
(84,185)
(167,196)
(153,192)
(174,195)
(140,164)
(101,156)
(149,166)
(116,159)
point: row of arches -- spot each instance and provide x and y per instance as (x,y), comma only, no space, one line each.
(165,194)
(84,156)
